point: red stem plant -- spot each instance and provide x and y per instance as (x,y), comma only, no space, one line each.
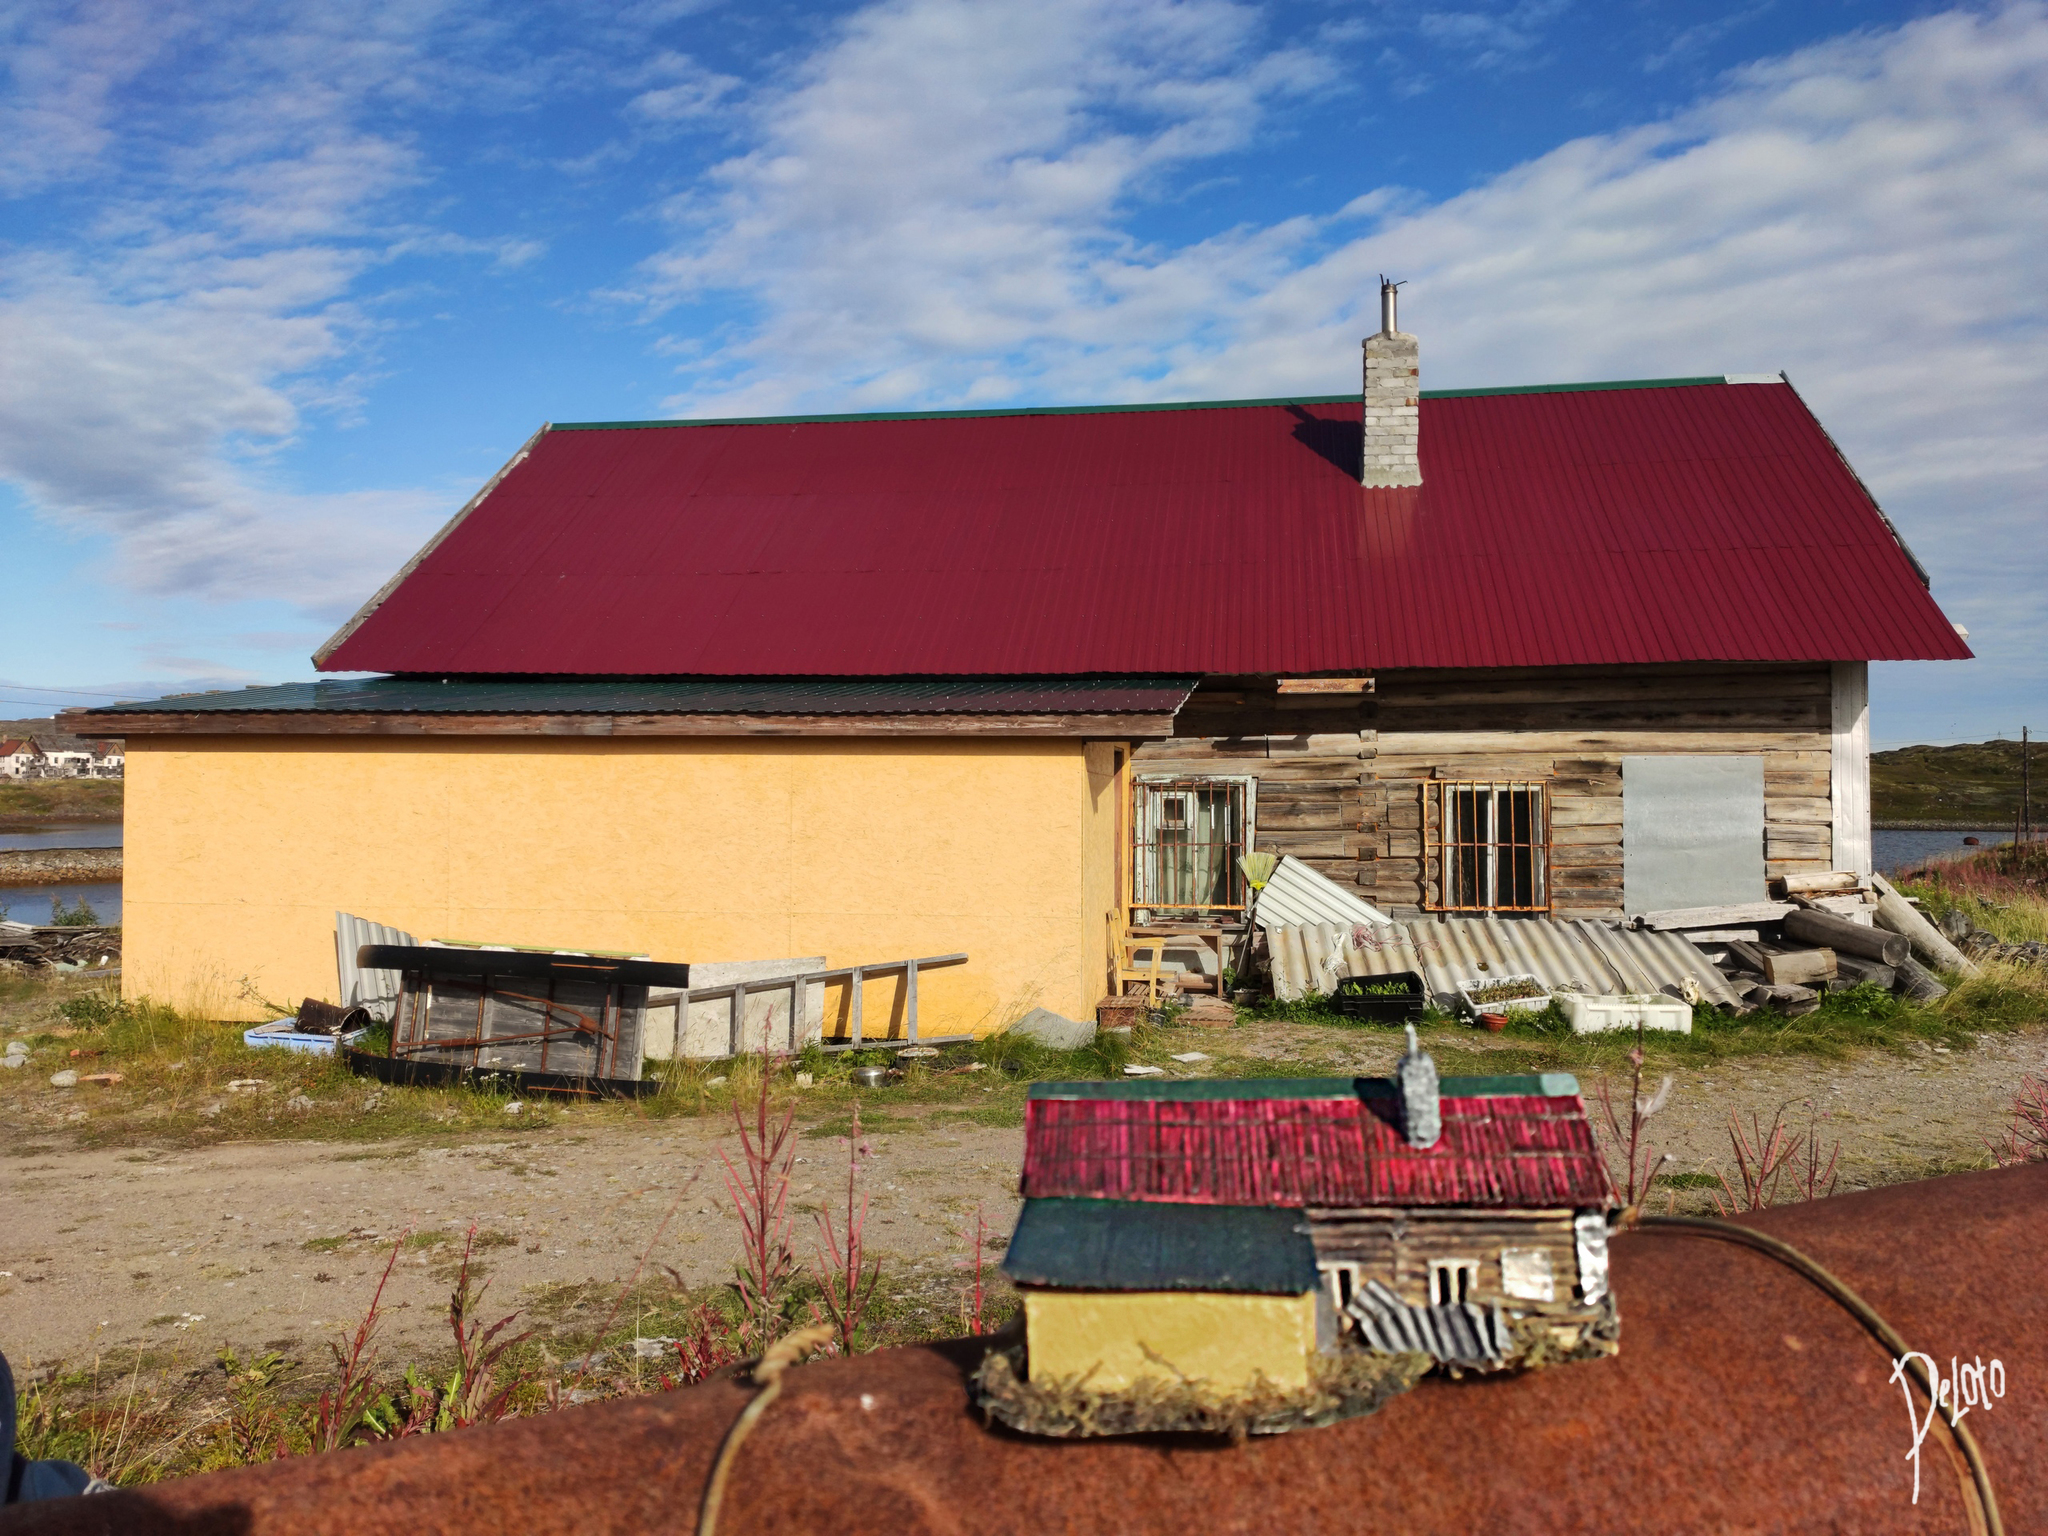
(1640,1163)
(341,1408)
(475,1396)
(760,1195)
(1766,1159)
(2026,1138)
(977,1294)
(846,1275)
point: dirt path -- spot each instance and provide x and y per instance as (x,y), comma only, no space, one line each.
(281,1244)
(277,1245)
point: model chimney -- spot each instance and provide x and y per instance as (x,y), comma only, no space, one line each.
(1421,1111)
(1392,389)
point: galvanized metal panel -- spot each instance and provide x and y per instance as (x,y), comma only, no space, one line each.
(1692,830)
(1297,894)
(1585,956)
(1224,539)
(374,990)
(692,696)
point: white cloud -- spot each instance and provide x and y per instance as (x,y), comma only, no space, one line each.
(162,360)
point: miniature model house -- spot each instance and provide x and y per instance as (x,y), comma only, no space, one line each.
(1222,1231)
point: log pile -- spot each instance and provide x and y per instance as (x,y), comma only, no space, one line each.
(1828,932)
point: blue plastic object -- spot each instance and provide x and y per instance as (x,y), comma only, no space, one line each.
(284,1032)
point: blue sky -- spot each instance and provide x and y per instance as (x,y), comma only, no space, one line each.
(278,289)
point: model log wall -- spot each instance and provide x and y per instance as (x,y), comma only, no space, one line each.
(1341,776)
(1395,1247)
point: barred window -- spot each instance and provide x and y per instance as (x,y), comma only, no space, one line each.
(1489,846)
(1188,835)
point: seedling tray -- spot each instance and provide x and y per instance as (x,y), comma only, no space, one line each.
(1536,998)
(1367,997)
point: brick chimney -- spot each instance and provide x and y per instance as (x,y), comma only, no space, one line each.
(1392,389)
(1421,1107)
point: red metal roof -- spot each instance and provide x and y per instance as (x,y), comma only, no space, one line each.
(1697,522)
(1495,1150)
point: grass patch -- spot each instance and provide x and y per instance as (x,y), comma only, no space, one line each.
(61,800)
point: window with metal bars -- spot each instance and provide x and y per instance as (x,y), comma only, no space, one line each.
(1186,837)
(1489,845)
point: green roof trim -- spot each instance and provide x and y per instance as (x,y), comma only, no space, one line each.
(1129,1245)
(1214,1089)
(1112,410)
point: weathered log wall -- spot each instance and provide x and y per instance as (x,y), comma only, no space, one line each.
(1341,776)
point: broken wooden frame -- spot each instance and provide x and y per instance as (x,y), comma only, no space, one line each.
(798,986)
(567,1016)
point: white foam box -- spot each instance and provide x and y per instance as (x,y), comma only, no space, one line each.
(1593,1015)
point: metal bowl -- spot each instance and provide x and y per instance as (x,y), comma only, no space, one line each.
(870,1077)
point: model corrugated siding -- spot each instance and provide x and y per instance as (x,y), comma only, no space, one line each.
(1495,1150)
(1576,527)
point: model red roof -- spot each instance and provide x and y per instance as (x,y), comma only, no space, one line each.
(1701,521)
(1496,1149)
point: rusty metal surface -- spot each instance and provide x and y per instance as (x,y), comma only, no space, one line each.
(1742,1400)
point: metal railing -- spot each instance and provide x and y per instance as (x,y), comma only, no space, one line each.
(1187,835)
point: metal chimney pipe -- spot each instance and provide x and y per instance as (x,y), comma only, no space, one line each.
(1389,293)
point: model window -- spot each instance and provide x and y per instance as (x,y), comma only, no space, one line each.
(1188,834)
(1490,845)
(1452,1280)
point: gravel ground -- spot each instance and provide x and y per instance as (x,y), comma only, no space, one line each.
(278,1245)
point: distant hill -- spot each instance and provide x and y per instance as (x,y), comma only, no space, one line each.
(1961,786)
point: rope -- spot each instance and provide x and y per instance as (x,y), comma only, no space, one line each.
(1729,1232)
(781,1355)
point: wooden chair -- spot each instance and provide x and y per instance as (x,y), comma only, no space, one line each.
(1124,950)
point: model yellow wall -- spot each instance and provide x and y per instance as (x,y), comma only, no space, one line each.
(1223,1339)
(239,851)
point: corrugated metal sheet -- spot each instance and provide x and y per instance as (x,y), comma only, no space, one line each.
(1584,956)
(1552,528)
(1297,894)
(374,990)
(696,696)
(1114,1245)
(1499,1149)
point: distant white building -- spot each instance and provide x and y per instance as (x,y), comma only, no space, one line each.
(20,758)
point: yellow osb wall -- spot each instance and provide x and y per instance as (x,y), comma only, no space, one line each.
(1223,1339)
(240,850)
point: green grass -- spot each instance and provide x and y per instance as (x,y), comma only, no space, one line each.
(61,800)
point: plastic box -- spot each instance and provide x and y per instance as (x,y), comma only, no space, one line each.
(1653,1010)
(1535,1003)
(1354,1000)
(285,1033)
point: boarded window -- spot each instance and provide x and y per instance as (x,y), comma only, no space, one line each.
(1692,831)
(1490,844)
(1188,836)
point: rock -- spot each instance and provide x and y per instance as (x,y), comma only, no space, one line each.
(1139,1069)
(1052,1030)
(1955,924)
(247,1085)
(372,1102)
(64,1079)
(298,1101)
(211,1110)
(515,1107)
